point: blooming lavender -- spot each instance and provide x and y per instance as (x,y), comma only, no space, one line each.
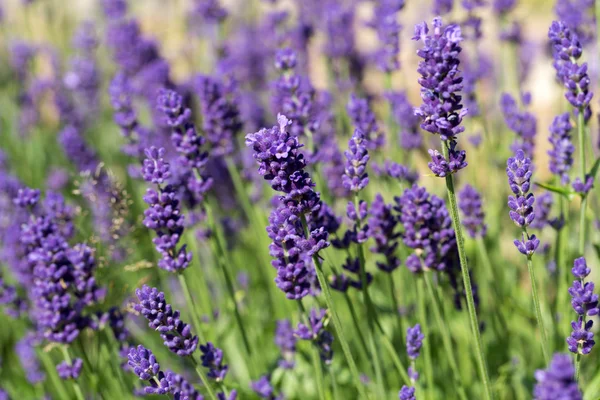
(469,201)
(25,349)
(524,123)
(385,22)
(414,342)
(263,389)
(396,172)
(286,341)
(585,304)
(578,15)
(364,120)
(212,358)
(441,112)
(164,214)
(581,187)
(382,228)
(177,335)
(355,177)
(519,171)
(220,114)
(561,154)
(407,393)
(557,381)
(143,363)
(315,331)
(567,51)
(542,211)
(442,7)
(410,135)
(70,371)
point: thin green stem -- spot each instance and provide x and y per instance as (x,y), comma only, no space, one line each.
(204,379)
(361,337)
(76,387)
(446,336)
(395,359)
(191,306)
(51,371)
(582,148)
(467,280)
(538,310)
(426,332)
(577,366)
(316,359)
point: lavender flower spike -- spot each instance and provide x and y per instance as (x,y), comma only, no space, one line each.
(469,202)
(144,364)
(407,393)
(177,335)
(561,154)
(355,177)
(585,304)
(557,381)
(212,358)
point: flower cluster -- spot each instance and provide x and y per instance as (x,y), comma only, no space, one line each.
(263,389)
(286,341)
(404,114)
(557,381)
(177,335)
(567,50)
(469,201)
(561,154)
(519,172)
(414,342)
(355,176)
(585,304)
(143,363)
(164,214)
(70,371)
(212,358)
(315,331)
(220,114)
(364,120)
(385,22)
(524,123)
(441,111)
(382,228)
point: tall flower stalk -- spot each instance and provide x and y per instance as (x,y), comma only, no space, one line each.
(441,113)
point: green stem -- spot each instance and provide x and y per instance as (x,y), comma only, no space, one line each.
(224,261)
(395,359)
(425,329)
(191,306)
(538,311)
(582,147)
(76,387)
(204,379)
(467,280)
(361,337)
(446,337)
(316,359)
(577,366)
(51,371)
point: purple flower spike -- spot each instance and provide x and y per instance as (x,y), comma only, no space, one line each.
(407,393)
(414,341)
(583,188)
(355,177)
(144,364)
(585,304)
(315,332)
(557,381)
(161,317)
(385,22)
(469,201)
(212,358)
(382,228)
(286,341)
(263,389)
(364,120)
(561,154)
(523,123)
(70,371)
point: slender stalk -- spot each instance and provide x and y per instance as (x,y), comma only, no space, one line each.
(204,379)
(582,147)
(538,311)
(577,366)
(467,280)
(361,337)
(51,371)
(446,337)
(427,334)
(76,387)
(395,359)
(191,306)
(316,359)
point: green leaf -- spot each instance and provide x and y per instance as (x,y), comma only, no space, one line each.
(594,169)
(568,194)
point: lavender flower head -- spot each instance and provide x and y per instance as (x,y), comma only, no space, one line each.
(382,228)
(523,123)
(212,358)
(144,364)
(561,154)
(164,213)
(567,50)
(364,120)
(585,304)
(177,335)
(404,114)
(407,393)
(286,341)
(355,177)
(315,332)
(469,201)
(414,341)
(385,22)
(519,171)
(70,371)
(557,381)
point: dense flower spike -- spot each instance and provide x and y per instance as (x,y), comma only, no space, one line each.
(557,381)
(364,120)
(414,341)
(585,304)
(567,50)
(469,201)
(385,22)
(382,228)
(519,171)
(263,389)
(404,114)
(286,341)
(220,114)
(355,177)
(181,388)
(407,393)
(524,123)
(212,358)
(143,363)
(315,332)
(583,188)
(561,154)
(70,371)
(177,335)
(164,214)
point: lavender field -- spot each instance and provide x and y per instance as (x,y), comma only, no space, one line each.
(299,199)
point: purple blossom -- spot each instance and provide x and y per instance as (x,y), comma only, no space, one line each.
(176,334)
(70,371)
(364,120)
(414,341)
(583,188)
(212,358)
(403,111)
(469,201)
(143,363)
(585,304)
(382,228)
(355,177)
(181,388)
(286,341)
(524,124)
(557,381)
(542,211)
(561,154)
(385,22)
(315,331)
(442,7)
(263,389)
(407,393)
